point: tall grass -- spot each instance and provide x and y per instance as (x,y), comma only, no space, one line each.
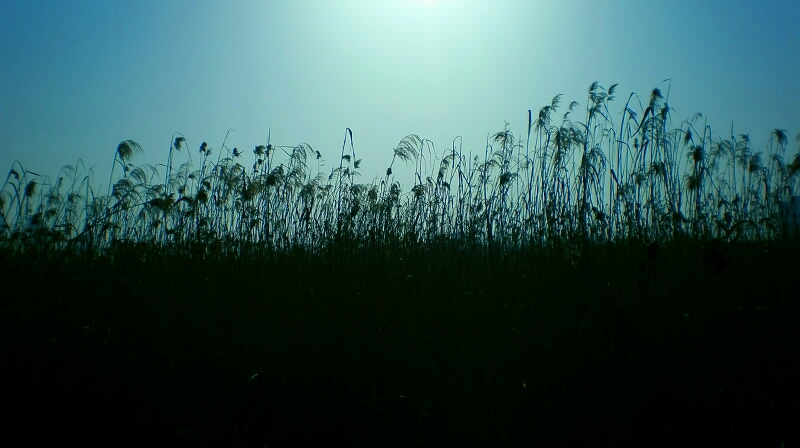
(575,177)
(570,285)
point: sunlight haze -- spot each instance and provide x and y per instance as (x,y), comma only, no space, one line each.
(80,77)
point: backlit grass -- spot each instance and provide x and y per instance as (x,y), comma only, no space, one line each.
(586,283)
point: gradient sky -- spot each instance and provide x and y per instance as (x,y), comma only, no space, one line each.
(80,76)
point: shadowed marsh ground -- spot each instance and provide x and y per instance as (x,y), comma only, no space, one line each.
(549,352)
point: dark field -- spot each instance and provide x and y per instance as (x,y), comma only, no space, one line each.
(621,347)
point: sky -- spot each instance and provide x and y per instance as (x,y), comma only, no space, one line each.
(79,77)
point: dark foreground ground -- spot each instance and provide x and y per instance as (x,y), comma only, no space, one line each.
(685,346)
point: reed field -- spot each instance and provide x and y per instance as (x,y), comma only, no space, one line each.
(589,282)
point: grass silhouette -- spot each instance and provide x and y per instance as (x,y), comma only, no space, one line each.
(590,284)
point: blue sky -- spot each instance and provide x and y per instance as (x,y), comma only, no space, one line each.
(78,77)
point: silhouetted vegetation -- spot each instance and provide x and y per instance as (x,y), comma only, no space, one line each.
(586,284)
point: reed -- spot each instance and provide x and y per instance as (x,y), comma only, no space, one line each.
(583,179)
(589,283)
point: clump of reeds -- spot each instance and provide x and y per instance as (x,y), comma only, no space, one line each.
(581,179)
